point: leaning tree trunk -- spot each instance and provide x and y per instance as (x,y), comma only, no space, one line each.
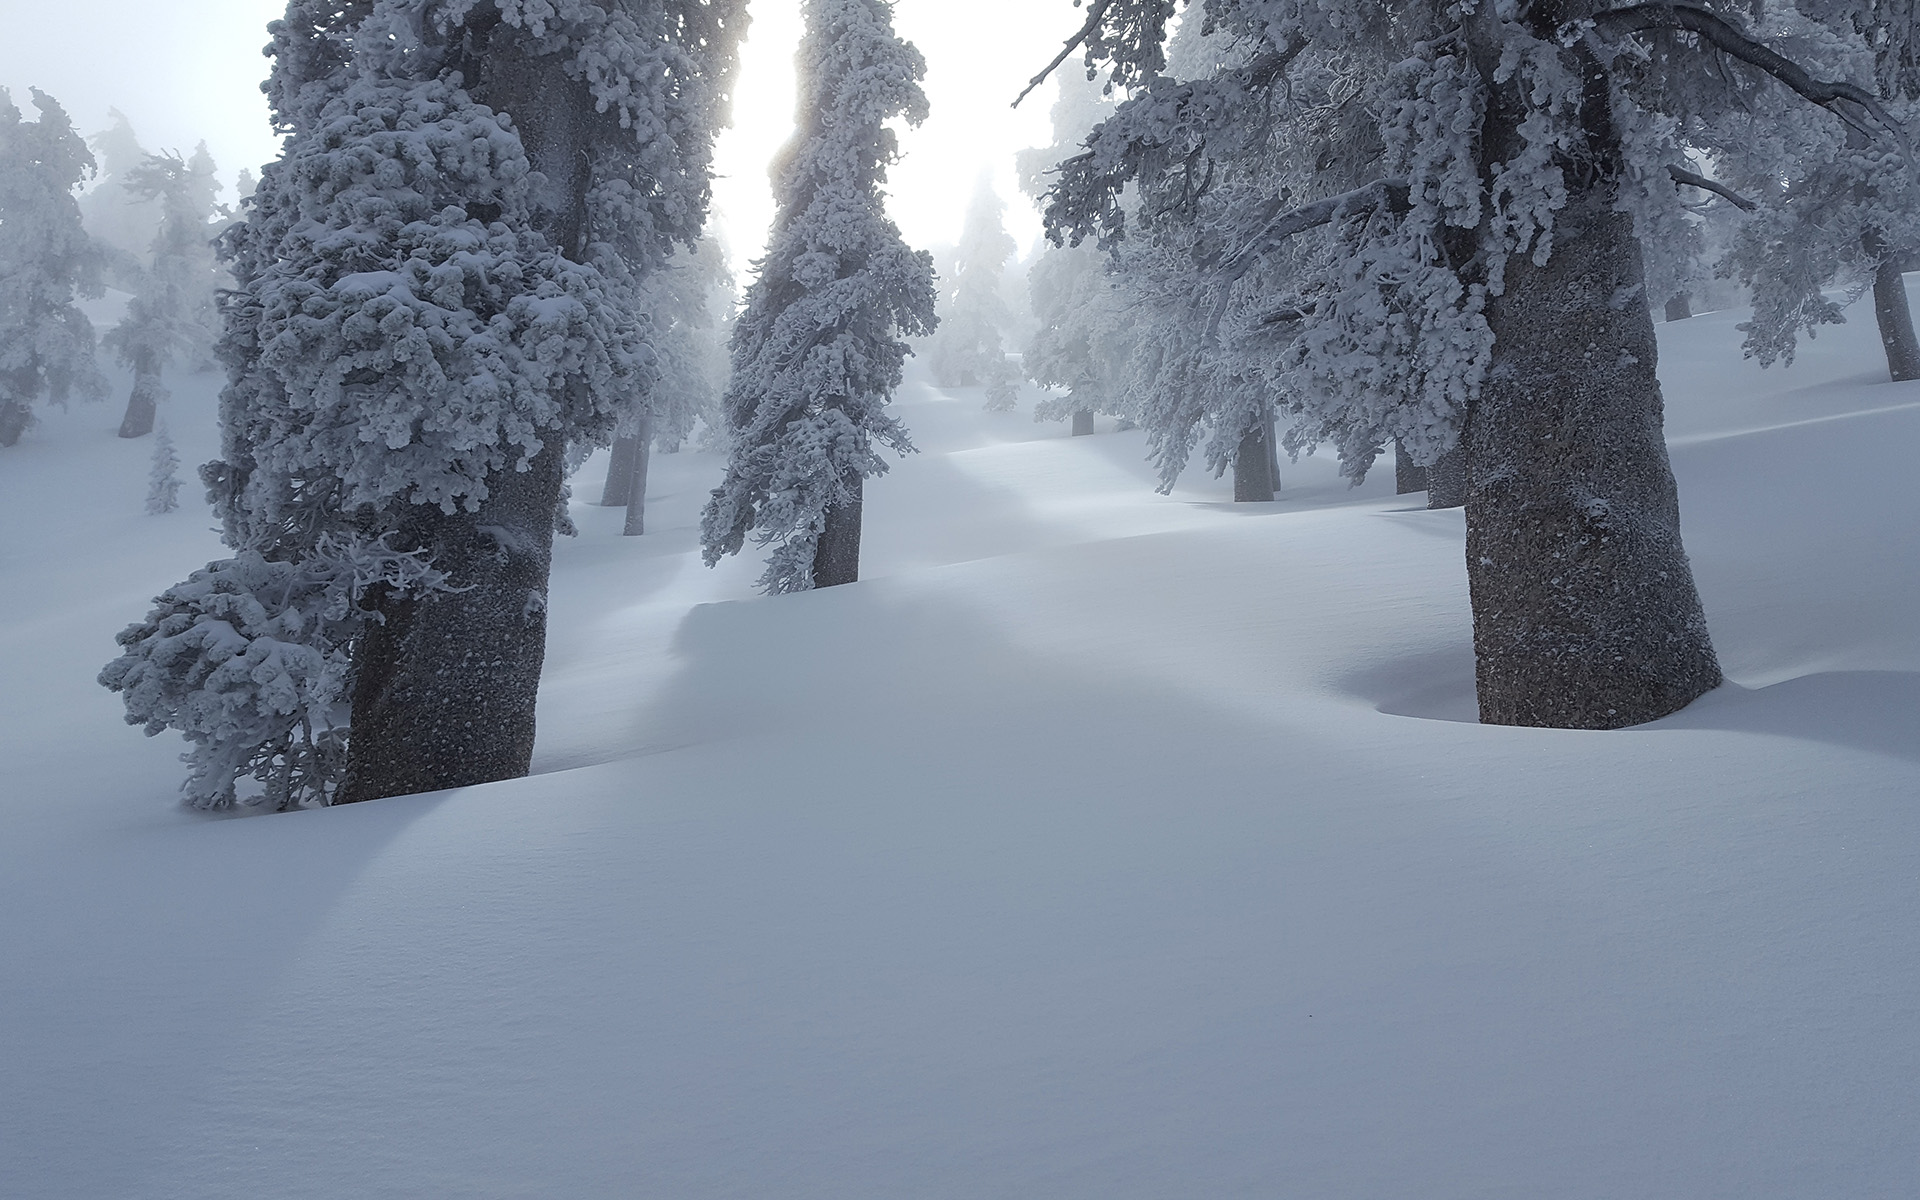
(1082,422)
(637,478)
(619,473)
(14,419)
(1408,476)
(144,401)
(836,556)
(445,685)
(1584,609)
(1896,322)
(1253,468)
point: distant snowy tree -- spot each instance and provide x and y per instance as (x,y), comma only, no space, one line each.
(121,220)
(1835,204)
(683,307)
(435,296)
(172,316)
(163,480)
(1083,335)
(1482,284)
(46,262)
(817,351)
(968,350)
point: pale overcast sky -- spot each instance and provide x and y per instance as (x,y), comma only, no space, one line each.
(188,70)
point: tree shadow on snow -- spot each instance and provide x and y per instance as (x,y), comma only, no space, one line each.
(1876,711)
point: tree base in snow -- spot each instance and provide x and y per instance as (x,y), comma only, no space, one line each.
(14,419)
(1253,469)
(1447,479)
(1895,317)
(1082,422)
(836,556)
(1408,476)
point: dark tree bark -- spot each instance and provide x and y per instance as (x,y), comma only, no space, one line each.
(1408,476)
(445,685)
(637,479)
(14,419)
(619,473)
(1082,422)
(143,401)
(1890,309)
(1585,613)
(836,556)
(1273,451)
(1680,307)
(1253,468)
(1447,479)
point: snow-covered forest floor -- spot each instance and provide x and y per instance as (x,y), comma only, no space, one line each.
(1096,844)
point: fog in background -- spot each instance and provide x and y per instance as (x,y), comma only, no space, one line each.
(189,70)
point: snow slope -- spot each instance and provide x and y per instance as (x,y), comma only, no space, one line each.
(1097,844)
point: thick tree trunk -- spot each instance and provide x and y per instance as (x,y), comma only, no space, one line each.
(1273,451)
(445,684)
(836,556)
(619,473)
(14,419)
(1408,476)
(1447,479)
(1082,422)
(1584,609)
(1680,308)
(637,479)
(1253,469)
(1890,309)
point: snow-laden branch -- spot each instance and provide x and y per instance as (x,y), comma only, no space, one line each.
(1096,13)
(1391,194)
(1711,29)
(1685,178)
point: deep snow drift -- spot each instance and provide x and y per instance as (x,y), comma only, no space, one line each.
(1098,844)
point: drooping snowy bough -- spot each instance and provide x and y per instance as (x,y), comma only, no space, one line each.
(1483,289)
(818,350)
(436,296)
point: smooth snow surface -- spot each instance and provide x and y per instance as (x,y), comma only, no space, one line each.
(1098,844)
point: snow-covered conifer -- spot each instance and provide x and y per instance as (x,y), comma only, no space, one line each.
(46,262)
(434,299)
(1480,283)
(968,349)
(817,350)
(163,480)
(172,316)
(121,221)
(1083,335)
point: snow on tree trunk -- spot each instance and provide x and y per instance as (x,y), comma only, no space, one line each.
(642,455)
(619,472)
(1253,468)
(1584,608)
(1082,422)
(1408,476)
(445,681)
(1891,311)
(836,556)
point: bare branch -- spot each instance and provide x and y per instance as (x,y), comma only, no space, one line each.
(1096,13)
(1685,178)
(1686,18)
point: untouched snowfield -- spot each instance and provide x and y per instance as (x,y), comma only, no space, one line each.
(1097,844)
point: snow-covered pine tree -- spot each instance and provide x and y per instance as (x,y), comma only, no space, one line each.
(172,316)
(817,350)
(1834,204)
(46,262)
(969,350)
(1084,332)
(122,222)
(433,301)
(163,479)
(1484,287)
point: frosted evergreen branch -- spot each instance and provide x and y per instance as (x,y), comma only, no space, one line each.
(1391,194)
(1711,29)
(1095,14)
(1685,178)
